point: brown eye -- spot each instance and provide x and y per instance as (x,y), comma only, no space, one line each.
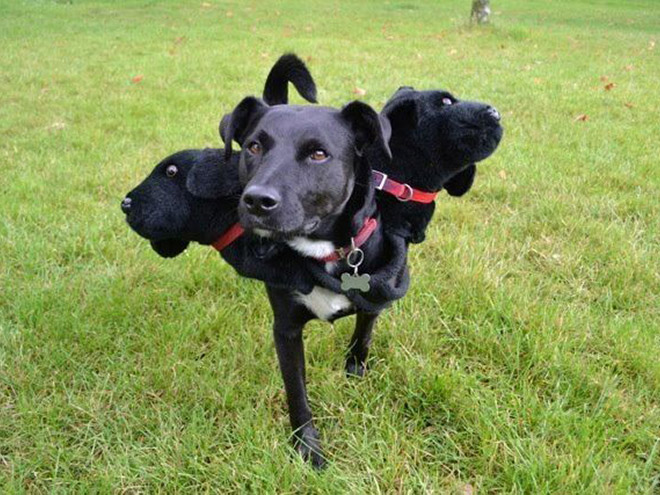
(254,148)
(171,171)
(319,155)
(446,101)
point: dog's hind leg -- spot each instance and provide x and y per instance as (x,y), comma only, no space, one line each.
(358,348)
(290,319)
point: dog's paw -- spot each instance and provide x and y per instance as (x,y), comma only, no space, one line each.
(355,368)
(306,442)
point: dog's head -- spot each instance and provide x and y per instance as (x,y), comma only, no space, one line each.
(299,164)
(189,196)
(447,134)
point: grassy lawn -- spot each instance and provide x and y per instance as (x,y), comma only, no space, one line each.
(525,356)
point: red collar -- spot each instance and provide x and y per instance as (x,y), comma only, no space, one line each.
(402,192)
(365,232)
(230,235)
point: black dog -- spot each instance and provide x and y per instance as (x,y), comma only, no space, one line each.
(307,178)
(436,141)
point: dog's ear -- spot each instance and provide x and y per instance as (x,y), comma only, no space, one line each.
(169,248)
(402,113)
(368,127)
(461,183)
(234,127)
(288,68)
(211,176)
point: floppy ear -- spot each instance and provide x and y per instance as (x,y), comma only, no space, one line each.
(169,248)
(461,183)
(212,177)
(402,113)
(233,127)
(368,127)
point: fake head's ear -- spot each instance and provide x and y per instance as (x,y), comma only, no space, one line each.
(211,177)
(169,248)
(234,127)
(461,183)
(368,127)
(402,113)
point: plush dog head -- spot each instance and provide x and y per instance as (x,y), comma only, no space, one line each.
(191,195)
(440,138)
(298,164)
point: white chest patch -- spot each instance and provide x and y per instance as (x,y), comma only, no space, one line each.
(324,303)
(311,248)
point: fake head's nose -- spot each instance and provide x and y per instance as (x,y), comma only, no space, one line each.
(492,113)
(261,200)
(126,204)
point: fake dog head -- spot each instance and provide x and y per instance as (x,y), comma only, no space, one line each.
(298,164)
(191,195)
(441,137)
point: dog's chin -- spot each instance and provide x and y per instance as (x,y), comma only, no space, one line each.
(169,248)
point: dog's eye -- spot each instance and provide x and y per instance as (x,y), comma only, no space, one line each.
(446,101)
(254,148)
(171,171)
(318,155)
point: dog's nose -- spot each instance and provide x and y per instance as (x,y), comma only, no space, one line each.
(126,204)
(493,113)
(261,200)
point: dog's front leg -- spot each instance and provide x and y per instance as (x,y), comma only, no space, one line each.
(290,320)
(358,348)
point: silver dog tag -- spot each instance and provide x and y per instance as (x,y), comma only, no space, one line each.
(360,282)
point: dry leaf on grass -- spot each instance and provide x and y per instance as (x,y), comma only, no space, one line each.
(610,86)
(359,91)
(502,174)
(137,79)
(582,118)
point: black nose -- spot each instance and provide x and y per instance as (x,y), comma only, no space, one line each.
(261,200)
(493,113)
(126,205)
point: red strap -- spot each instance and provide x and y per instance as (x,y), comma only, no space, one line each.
(365,232)
(402,192)
(232,233)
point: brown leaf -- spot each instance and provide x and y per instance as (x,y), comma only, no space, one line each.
(137,79)
(359,91)
(610,86)
(582,118)
(629,67)
(502,174)
(629,105)
(603,78)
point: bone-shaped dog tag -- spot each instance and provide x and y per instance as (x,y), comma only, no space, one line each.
(359,282)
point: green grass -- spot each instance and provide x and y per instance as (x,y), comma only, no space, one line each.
(523,360)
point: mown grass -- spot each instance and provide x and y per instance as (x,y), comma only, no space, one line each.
(523,360)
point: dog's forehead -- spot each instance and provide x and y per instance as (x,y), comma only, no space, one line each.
(303,122)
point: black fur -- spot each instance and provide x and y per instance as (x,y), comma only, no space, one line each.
(436,142)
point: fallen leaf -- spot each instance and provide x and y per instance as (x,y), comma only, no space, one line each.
(137,79)
(502,174)
(359,91)
(629,105)
(651,45)
(537,80)
(610,86)
(229,13)
(468,489)
(582,118)
(453,51)
(629,67)
(56,126)
(179,40)
(603,78)
(206,5)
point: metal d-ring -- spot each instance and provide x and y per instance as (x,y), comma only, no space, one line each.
(356,251)
(407,198)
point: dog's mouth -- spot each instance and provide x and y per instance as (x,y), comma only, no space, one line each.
(263,228)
